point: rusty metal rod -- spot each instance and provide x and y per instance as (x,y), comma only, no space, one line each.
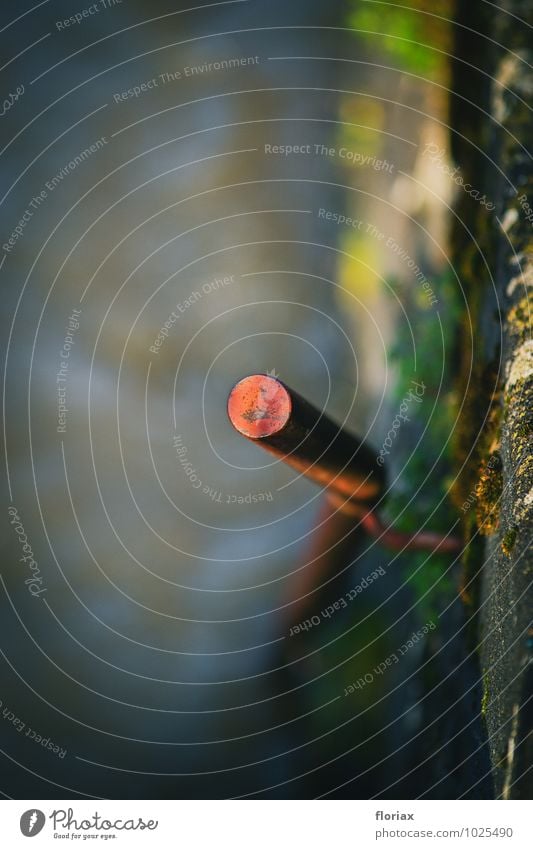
(268,413)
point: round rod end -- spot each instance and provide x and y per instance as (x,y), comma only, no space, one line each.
(259,406)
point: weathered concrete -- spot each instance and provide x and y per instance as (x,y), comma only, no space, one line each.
(497,279)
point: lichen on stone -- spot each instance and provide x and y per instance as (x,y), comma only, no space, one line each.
(508,541)
(522,364)
(519,318)
(488,493)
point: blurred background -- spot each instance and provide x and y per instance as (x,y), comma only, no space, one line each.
(190,195)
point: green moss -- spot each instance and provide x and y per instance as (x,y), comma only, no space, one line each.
(478,437)
(488,494)
(476,382)
(508,541)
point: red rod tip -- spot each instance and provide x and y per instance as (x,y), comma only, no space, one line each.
(258,406)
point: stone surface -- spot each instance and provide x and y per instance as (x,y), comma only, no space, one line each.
(497,276)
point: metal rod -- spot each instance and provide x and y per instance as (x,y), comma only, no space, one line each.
(268,413)
(398,540)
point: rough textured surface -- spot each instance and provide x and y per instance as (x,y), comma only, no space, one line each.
(501,465)
(506,589)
